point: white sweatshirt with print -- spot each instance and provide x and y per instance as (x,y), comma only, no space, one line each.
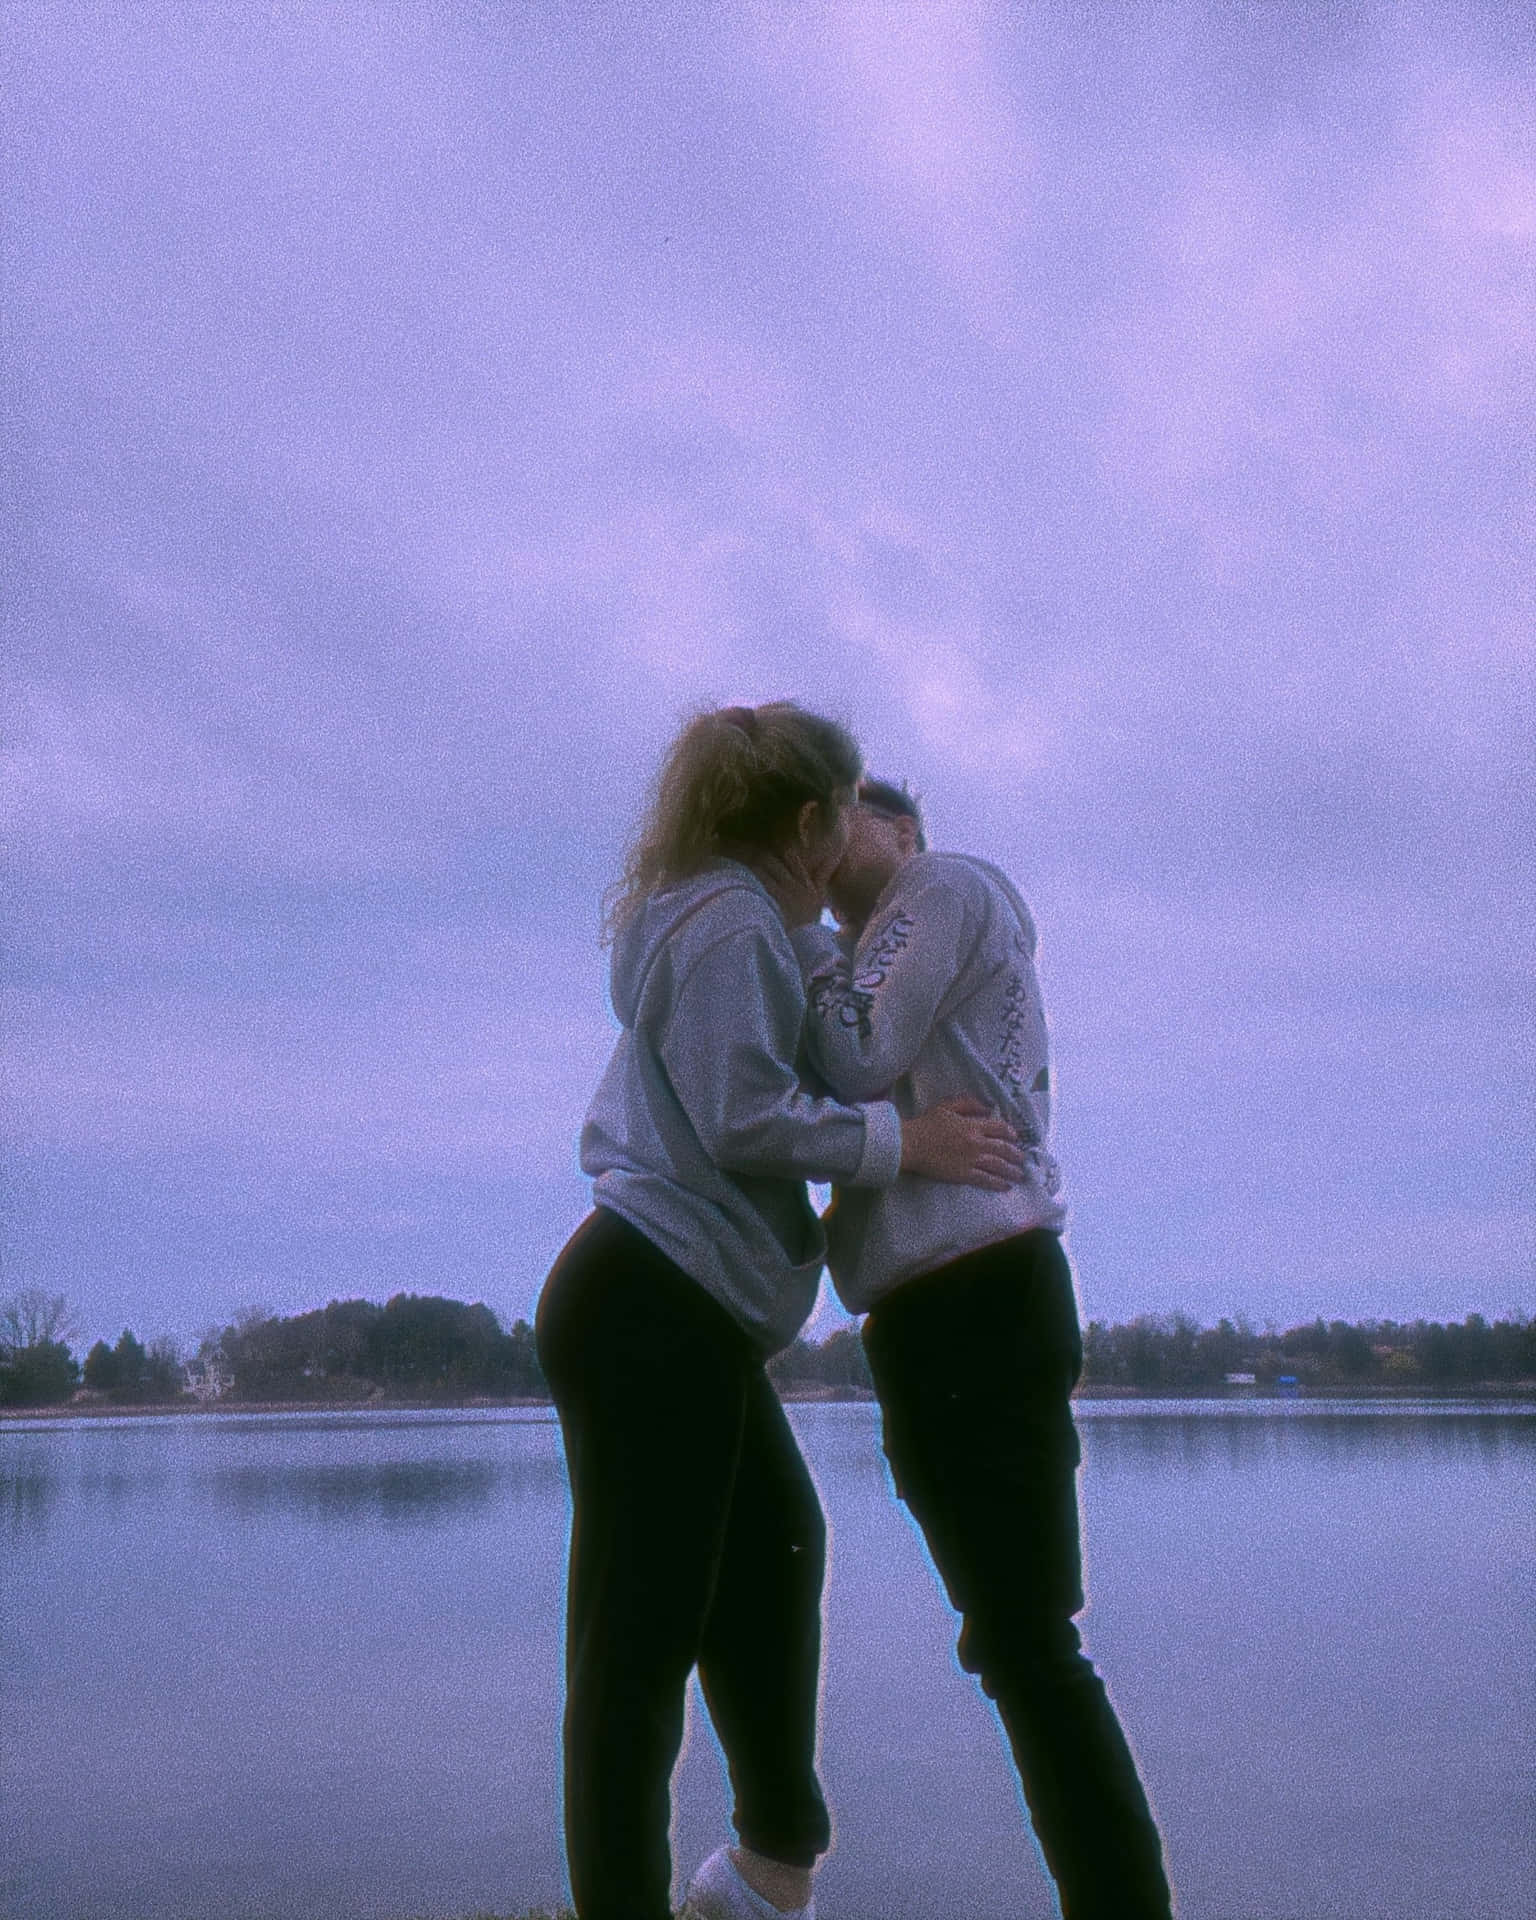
(938,999)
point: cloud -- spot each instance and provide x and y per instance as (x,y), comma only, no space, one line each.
(459,1057)
(419,412)
(1312,346)
(911,103)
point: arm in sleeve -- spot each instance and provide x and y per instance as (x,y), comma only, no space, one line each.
(729,1049)
(870,1012)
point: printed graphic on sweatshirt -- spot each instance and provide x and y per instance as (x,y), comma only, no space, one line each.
(893,938)
(1018,1028)
(1018,1048)
(854,1004)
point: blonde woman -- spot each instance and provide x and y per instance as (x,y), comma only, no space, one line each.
(696,1538)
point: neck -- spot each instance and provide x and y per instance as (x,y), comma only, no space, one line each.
(853,905)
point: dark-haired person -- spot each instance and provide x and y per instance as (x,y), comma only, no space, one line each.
(971,1323)
(696,1536)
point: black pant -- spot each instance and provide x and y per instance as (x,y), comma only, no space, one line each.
(696,1540)
(974,1364)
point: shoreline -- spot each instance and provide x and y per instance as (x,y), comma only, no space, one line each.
(1522,1392)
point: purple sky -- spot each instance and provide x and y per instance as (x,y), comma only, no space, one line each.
(414,410)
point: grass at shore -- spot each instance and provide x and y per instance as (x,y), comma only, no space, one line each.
(527,1913)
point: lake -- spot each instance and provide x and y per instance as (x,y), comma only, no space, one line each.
(309,1665)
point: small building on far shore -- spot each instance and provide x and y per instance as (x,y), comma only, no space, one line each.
(1242,1379)
(207,1377)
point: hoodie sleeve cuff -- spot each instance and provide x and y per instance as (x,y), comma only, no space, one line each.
(880,1162)
(816,946)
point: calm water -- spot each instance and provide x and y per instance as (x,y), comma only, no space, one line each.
(288,1666)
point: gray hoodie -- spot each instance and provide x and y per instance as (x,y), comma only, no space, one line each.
(700,1133)
(939,998)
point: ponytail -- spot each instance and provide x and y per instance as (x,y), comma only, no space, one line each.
(732,785)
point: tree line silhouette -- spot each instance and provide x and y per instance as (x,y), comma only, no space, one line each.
(1171,1353)
(413,1346)
(130,1371)
(423,1347)
(1174,1354)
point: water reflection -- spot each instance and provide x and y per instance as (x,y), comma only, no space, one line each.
(1186,1441)
(373,1730)
(395,1492)
(108,1490)
(28,1495)
(388,1420)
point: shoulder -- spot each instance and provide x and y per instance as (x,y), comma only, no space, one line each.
(1011,900)
(735,914)
(738,903)
(986,889)
(956,870)
(933,901)
(949,876)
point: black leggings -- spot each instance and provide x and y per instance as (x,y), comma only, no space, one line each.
(696,1540)
(974,1364)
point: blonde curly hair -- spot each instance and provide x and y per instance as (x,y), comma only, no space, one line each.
(732,785)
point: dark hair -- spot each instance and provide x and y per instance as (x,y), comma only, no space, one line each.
(733,783)
(885,796)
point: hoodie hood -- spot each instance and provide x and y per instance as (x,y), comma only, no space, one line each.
(660,917)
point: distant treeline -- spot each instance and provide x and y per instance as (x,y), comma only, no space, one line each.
(130,1371)
(836,1363)
(414,1346)
(1173,1354)
(424,1347)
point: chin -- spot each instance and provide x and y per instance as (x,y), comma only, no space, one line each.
(849,908)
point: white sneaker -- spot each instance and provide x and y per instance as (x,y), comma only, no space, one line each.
(718,1892)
